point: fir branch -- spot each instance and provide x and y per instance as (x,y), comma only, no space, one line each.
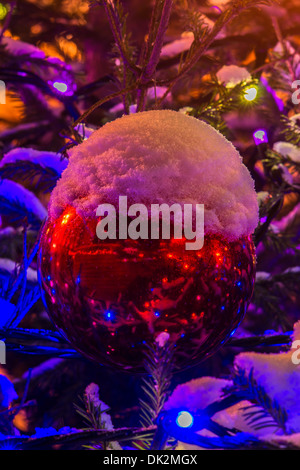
(270,296)
(156,47)
(193,20)
(27,172)
(153,47)
(95,414)
(234,8)
(269,411)
(156,387)
(52,344)
(270,211)
(28,301)
(117,22)
(217,101)
(102,101)
(91,413)
(280,242)
(272,159)
(250,342)
(81,438)
(47,351)
(152,33)
(290,130)
(159,365)
(19,315)
(34,335)
(17,211)
(22,273)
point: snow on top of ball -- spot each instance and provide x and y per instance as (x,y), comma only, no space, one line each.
(157,157)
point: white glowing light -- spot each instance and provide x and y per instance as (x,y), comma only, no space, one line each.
(250,94)
(184,419)
(260,137)
(60,86)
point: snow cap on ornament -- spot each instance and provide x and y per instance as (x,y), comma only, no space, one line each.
(157,157)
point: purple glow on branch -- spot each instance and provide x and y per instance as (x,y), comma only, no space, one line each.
(215,7)
(272,92)
(263,220)
(260,137)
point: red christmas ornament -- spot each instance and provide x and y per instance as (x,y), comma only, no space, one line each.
(108,298)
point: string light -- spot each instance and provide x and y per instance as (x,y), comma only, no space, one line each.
(3,11)
(109,315)
(60,86)
(260,136)
(184,419)
(250,93)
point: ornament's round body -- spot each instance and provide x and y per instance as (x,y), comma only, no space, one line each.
(109,298)
(113,296)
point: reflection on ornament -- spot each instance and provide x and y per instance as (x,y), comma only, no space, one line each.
(110,297)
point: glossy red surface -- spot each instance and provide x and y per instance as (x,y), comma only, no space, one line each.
(109,298)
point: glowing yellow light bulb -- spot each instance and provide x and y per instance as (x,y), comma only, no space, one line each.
(3,11)
(250,93)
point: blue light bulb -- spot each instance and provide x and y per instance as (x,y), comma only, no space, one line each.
(184,419)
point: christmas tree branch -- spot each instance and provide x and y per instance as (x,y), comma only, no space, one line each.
(250,342)
(235,8)
(153,60)
(154,46)
(52,344)
(270,412)
(102,101)
(159,365)
(80,438)
(22,273)
(116,28)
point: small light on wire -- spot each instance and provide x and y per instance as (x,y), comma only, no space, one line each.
(184,419)
(260,137)
(60,86)
(109,315)
(250,93)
